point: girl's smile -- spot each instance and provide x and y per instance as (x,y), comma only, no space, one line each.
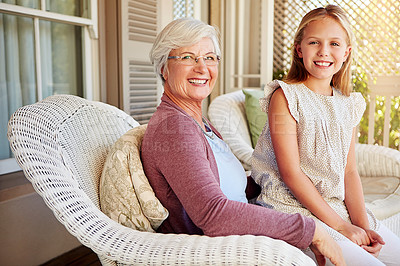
(323,63)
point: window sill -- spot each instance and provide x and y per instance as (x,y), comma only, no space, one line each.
(14,185)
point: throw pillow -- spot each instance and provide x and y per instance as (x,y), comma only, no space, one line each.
(256,118)
(125,193)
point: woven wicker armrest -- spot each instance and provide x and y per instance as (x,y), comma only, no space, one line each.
(373,160)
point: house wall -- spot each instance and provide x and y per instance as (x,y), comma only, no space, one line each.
(29,232)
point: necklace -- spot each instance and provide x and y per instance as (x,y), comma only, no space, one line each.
(208,134)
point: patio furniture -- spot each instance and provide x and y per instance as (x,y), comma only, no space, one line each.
(378,166)
(61,144)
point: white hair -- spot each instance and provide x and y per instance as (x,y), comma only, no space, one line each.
(177,34)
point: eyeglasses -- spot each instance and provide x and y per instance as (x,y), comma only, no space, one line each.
(191,60)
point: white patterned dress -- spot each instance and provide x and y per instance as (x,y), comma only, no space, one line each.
(324,131)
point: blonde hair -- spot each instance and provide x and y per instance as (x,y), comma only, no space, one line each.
(180,33)
(298,73)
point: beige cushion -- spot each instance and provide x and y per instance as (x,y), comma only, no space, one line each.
(125,193)
(382,195)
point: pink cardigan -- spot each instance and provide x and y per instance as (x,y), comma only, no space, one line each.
(181,168)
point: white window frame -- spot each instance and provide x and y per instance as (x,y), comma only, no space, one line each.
(90,33)
(235,21)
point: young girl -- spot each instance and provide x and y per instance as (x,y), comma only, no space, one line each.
(304,160)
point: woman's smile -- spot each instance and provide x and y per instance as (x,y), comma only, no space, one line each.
(198,81)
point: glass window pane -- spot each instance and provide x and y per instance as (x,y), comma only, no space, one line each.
(25,3)
(61,58)
(17,71)
(78,8)
(68,7)
(60,65)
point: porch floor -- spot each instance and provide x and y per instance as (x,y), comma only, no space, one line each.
(76,257)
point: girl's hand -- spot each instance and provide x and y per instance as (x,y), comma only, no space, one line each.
(323,246)
(376,243)
(355,234)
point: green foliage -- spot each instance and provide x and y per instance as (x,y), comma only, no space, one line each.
(279,74)
(360,82)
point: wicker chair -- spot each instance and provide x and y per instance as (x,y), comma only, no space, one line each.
(61,144)
(378,166)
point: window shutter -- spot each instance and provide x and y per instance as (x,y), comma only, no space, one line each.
(143,95)
(140,22)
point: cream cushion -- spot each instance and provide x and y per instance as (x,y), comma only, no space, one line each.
(382,195)
(125,193)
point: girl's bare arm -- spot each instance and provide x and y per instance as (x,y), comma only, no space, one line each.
(284,139)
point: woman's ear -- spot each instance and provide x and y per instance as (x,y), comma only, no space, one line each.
(347,53)
(298,50)
(164,73)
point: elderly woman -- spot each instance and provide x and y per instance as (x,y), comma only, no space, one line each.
(192,171)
